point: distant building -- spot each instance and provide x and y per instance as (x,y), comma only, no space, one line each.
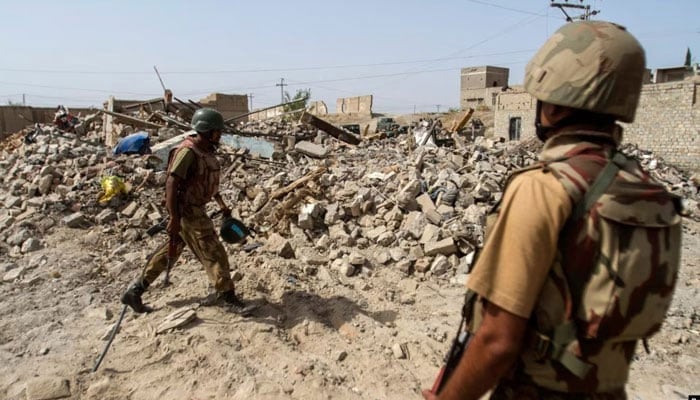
(672,74)
(479,86)
(229,105)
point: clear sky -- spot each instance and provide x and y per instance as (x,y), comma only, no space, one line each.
(405,52)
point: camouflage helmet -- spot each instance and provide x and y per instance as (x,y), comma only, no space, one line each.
(207,119)
(590,65)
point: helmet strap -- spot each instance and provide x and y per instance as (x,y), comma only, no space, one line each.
(541,131)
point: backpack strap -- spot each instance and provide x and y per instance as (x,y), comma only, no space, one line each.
(599,186)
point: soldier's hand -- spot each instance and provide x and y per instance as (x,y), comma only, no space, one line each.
(226,212)
(174,227)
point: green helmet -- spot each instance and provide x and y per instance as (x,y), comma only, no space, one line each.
(207,119)
(590,65)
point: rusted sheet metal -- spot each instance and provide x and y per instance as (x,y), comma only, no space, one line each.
(330,129)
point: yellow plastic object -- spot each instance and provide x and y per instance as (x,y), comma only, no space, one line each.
(112,186)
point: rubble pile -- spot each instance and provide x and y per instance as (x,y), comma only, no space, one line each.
(365,205)
(675,180)
(319,201)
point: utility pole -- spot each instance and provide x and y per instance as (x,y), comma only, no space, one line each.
(438,108)
(587,12)
(281,85)
(24,100)
(250,98)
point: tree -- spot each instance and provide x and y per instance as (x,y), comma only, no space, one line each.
(301,94)
(688,58)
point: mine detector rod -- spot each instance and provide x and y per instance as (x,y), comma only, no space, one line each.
(111,338)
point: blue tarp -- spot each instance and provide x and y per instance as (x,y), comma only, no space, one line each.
(137,143)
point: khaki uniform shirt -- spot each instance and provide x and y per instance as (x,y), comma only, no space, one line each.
(522,244)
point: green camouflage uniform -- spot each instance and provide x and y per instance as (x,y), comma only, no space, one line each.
(200,184)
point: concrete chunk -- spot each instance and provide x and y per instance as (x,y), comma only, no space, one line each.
(76,220)
(430,234)
(445,246)
(280,246)
(311,149)
(425,202)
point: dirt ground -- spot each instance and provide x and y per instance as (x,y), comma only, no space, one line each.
(376,335)
(313,337)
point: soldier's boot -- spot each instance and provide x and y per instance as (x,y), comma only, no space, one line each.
(235,304)
(132,297)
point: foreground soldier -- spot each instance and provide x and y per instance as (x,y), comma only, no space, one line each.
(581,261)
(192,182)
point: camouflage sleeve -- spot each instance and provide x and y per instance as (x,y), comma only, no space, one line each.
(182,162)
(522,244)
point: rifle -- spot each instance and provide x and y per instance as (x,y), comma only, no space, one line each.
(459,345)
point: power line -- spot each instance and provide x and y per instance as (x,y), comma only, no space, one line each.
(81,89)
(507,8)
(287,69)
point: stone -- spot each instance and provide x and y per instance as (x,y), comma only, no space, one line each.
(440,265)
(177,319)
(425,202)
(382,256)
(346,268)
(311,149)
(356,206)
(6,267)
(422,264)
(6,222)
(405,266)
(30,245)
(313,258)
(19,237)
(374,234)
(445,211)
(397,350)
(76,220)
(130,209)
(305,221)
(431,233)
(397,253)
(356,259)
(433,216)
(324,242)
(44,184)
(12,201)
(394,215)
(445,246)
(337,232)
(13,274)
(106,216)
(386,239)
(47,388)
(414,224)
(280,246)
(340,355)
(412,188)
(332,214)
(407,201)
(259,200)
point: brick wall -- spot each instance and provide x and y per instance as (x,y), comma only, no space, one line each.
(667,121)
(15,118)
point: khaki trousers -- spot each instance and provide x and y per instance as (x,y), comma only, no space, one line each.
(199,235)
